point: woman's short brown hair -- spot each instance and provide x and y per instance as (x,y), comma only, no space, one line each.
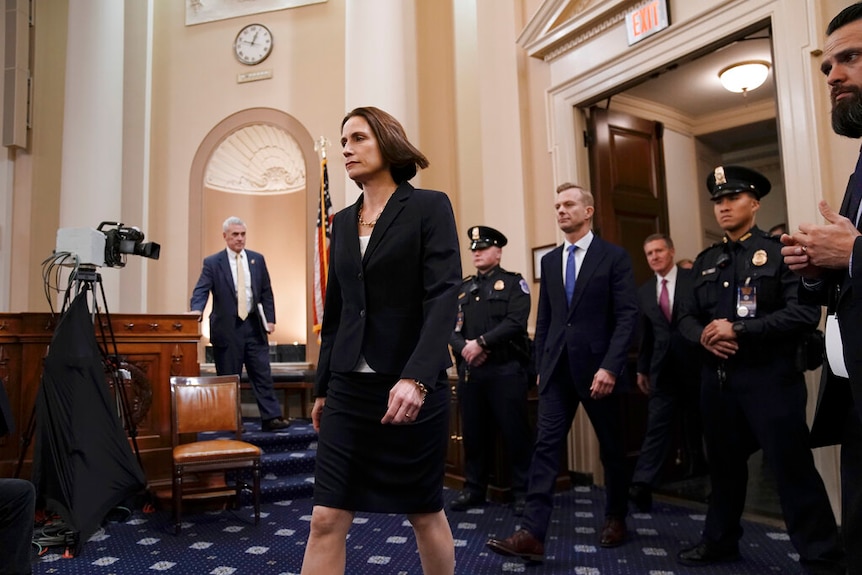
(403,157)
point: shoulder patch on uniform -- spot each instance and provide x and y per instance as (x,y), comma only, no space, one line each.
(524,286)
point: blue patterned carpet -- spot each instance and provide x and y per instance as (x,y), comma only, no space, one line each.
(228,543)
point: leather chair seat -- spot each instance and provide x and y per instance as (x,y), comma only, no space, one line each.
(216,449)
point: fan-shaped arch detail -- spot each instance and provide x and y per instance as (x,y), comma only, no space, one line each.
(259,159)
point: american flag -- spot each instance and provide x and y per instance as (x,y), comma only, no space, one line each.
(321,245)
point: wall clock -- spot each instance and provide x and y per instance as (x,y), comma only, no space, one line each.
(253,44)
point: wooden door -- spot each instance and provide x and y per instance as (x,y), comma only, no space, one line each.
(627,180)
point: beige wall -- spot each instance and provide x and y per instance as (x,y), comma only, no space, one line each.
(36,178)
(195,87)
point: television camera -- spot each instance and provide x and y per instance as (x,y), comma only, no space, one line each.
(106,245)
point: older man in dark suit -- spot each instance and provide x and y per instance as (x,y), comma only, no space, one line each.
(585,324)
(668,371)
(240,286)
(829,259)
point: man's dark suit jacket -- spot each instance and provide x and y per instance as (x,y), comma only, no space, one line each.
(661,341)
(217,279)
(835,421)
(397,304)
(842,294)
(598,327)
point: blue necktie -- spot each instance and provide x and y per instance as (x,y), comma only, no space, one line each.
(570,274)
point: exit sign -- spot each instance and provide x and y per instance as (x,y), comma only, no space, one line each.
(645,20)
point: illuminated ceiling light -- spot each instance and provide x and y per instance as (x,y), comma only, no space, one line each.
(744,76)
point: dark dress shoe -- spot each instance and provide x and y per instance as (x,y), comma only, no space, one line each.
(706,554)
(466,500)
(522,544)
(613,533)
(275,424)
(518,505)
(641,495)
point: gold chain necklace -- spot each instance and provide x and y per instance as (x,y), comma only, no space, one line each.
(370,224)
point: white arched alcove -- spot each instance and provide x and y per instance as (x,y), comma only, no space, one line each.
(260,165)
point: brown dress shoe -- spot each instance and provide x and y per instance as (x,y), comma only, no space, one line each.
(522,544)
(613,533)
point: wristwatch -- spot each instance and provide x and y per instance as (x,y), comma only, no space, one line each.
(739,327)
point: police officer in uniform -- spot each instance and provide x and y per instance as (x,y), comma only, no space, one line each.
(743,311)
(491,350)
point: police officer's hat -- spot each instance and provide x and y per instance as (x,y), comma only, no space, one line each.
(725,180)
(482,237)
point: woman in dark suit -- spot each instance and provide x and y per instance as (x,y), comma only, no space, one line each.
(382,399)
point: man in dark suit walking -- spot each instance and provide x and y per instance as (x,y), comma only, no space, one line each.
(668,371)
(829,259)
(585,324)
(241,290)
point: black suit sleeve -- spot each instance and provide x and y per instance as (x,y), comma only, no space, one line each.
(201,293)
(441,278)
(857,268)
(690,325)
(646,339)
(331,317)
(266,294)
(625,313)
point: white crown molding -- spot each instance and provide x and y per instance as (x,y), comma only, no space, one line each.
(591,17)
(765,110)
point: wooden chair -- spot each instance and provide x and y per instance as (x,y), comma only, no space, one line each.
(200,404)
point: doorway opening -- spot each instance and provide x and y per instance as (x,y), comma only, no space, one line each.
(698,125)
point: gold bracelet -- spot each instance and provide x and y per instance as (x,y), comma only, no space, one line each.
(422,389)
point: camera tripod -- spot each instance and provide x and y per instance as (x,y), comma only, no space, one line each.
(85,279)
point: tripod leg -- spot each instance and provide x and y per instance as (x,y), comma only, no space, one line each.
(26,439)
(114,361)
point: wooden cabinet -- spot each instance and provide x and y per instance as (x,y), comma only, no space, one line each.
(152,348)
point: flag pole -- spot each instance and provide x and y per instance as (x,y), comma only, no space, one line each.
(321,252)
